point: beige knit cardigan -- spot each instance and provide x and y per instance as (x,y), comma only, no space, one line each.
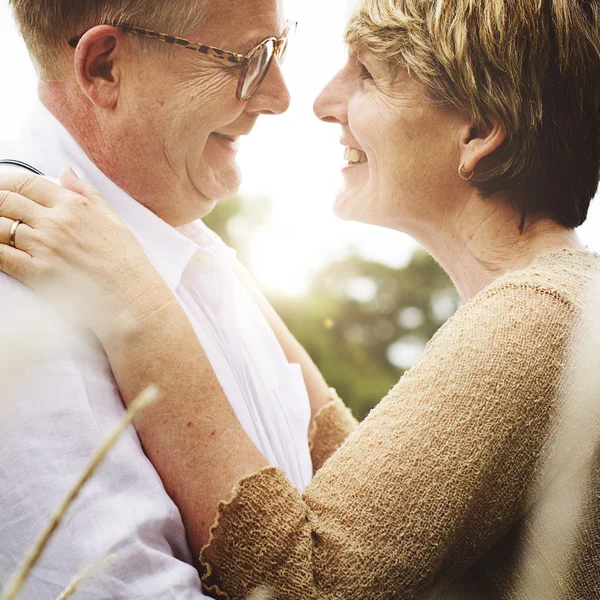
(433,495)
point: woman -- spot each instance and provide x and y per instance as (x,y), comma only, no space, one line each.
(475,128)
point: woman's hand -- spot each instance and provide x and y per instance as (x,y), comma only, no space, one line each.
(73,249)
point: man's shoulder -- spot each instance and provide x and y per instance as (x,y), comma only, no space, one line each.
(17,157)
(10,147)
(28,317)
(20,304)
(13,291)
(8,151)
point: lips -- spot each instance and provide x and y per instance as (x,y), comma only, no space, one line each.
(230,138)
(228,143)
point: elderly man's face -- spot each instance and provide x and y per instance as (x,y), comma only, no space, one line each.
(186,113)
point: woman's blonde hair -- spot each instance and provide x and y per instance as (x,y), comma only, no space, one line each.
(532,64)
(48,25)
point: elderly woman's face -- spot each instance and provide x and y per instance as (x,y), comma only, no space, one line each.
(401,148)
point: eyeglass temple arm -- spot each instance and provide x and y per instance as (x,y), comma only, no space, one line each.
(210,51)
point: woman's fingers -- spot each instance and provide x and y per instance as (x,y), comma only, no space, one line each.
(23,234)
(16,263)
(39,190)
(69,180)
(19,208)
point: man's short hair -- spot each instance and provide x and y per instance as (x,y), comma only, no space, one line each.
(48,25)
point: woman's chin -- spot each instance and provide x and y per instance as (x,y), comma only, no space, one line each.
(353,197)
(347,206)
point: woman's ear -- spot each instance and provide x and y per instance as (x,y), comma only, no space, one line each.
(96,65)
(479,142)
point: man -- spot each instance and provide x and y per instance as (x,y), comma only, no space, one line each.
(154,127)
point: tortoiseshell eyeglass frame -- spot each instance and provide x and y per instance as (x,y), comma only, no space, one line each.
(233,58)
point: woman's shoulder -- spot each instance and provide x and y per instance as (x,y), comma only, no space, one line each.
(563,277)
(564,274)
(523,312)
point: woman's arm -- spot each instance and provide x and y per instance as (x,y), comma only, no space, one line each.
(433,478)
(73,249)
(192,436)
(76,252)
(438,472)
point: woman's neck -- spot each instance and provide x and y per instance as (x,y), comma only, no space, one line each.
(482,241)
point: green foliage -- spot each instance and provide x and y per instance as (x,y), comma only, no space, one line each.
(362,322)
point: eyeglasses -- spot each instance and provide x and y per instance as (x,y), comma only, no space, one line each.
(254,66)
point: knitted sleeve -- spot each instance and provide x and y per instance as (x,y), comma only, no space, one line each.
(330,427)
(429,481)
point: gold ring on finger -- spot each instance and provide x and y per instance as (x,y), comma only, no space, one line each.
(13,233)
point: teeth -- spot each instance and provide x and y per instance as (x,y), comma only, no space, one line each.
(354,156)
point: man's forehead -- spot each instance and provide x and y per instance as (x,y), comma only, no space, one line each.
(247,22)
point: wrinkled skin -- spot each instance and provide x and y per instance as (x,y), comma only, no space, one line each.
(146,118)
(412,144)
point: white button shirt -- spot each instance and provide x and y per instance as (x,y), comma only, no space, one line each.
(58,413)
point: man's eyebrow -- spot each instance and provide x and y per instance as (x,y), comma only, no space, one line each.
(256,39)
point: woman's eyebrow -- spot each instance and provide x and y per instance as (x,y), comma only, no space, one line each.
(354,49)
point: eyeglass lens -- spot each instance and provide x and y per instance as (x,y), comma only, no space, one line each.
(257,68)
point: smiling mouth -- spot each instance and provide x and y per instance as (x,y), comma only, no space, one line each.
(355,157)
(229,138)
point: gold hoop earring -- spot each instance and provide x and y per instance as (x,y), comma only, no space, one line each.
(462,173)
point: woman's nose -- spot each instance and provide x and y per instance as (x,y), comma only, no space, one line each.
(331,105)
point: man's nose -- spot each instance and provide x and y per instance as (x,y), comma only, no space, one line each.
(273,95)
(331,105)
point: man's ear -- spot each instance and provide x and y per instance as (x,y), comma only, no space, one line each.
(96,65)
(479,142)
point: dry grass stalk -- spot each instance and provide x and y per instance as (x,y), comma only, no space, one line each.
(85,574)
(19,578)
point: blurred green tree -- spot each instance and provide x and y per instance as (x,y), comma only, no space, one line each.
(363,323)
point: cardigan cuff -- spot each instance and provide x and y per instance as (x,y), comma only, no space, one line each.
(260,544)
(330,427)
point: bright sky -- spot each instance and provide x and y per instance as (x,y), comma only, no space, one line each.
(293,159)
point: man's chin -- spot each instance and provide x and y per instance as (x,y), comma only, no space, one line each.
(206,208)
(210,196)
(222,186)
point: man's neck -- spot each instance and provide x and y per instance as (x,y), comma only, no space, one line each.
(113,150)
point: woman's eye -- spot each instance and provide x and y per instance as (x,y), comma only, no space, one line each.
(364,72)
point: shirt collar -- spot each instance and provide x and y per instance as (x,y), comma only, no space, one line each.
(169,249)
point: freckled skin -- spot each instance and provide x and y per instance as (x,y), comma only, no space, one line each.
(412,145)
(156,142)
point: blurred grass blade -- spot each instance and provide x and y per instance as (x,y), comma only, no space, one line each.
(85,574)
